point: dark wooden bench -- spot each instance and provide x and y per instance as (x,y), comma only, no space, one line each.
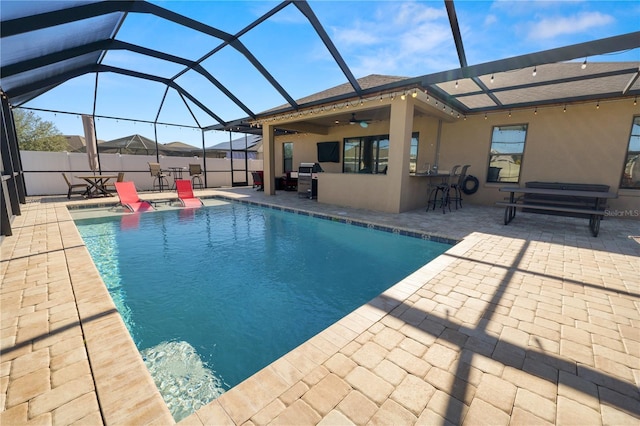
(556,198)
(567,205)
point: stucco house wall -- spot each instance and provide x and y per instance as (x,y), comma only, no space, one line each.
(584,144)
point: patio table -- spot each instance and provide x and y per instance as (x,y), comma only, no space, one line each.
(97,185)
(177,174)
(592,200)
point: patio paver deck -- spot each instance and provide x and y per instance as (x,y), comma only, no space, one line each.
(533,323)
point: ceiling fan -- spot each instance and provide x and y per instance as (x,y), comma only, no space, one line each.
(362,122)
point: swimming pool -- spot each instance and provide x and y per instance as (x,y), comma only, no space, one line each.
(212,295)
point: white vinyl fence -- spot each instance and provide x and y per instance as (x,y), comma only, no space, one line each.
(43,170)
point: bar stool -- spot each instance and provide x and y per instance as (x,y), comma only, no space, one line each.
(195,171)
(458,185)
(160,178)
(440,191)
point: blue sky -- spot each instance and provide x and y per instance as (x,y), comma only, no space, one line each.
(374,37)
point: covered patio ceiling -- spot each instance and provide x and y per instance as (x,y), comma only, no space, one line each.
(45,44)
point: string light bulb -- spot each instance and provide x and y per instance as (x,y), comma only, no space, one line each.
(535,71)
(598,105)
(491,78)
(414,94)
(535,111)
(635,101)
(565,109)
(584,64)
(456,84)
(485,115)
(404,96)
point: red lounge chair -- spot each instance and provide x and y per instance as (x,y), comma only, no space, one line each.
(129,197)
(185,194)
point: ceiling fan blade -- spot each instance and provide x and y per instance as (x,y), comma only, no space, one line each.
(362,122)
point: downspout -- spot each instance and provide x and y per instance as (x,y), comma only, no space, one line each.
(438,145)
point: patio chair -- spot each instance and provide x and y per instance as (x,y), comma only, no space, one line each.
(440,192)
(258,180)
(77,188)
(290,182)
(111,186)
(160,178)
(458,185)
(185,194)
(195,171)
(129,197)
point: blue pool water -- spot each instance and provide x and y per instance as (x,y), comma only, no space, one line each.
(220,292)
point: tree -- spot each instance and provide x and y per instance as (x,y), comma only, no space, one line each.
(36,134)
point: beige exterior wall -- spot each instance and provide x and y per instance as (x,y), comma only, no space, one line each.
(585,144)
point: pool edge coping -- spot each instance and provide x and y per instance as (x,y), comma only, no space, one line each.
(353,319)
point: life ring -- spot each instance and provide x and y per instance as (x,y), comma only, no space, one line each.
(465,185)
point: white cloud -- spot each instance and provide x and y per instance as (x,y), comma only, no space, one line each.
(354,37)
(552,27)
(412,14)
(406,39)
(490,20)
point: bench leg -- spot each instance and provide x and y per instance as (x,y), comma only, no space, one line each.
(509,214)
(594,224)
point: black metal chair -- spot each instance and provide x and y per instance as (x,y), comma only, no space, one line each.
(195,171)
(458,185)
(440,191)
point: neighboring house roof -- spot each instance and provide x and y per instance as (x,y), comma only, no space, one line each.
(253,143)
(76,143)
(180,145)
(129,145)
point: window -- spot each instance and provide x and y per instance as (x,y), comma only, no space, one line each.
(287,157)
(631,170)
(507,147)
(370,154)
(413,153)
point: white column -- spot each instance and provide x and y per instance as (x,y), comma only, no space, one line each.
(269,161)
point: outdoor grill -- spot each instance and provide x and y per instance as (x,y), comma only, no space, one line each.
(307,180)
